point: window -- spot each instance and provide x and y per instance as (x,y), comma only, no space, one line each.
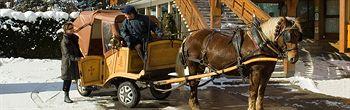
(332,16)
(107,35)
(95,46)
(271,8)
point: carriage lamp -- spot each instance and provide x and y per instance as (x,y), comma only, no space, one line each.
(114,42)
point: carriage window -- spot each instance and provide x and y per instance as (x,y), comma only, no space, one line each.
(107,35)
(271,8)
(95,46)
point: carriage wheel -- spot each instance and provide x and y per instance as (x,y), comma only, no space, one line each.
(83,90)
(158,94)
(128,94)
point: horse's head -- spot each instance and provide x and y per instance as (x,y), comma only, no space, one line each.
(287,35)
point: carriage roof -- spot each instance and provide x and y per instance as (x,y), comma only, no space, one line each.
(86,20)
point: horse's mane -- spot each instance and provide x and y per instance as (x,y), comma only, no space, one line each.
(269,26)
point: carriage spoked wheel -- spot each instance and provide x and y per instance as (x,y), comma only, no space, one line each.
(128,94)
(159,95)
(83,90)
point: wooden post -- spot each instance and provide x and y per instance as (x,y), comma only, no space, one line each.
(292,7)
(347,20)
(158,11)
(170,7)
(215,14)
(147,11)
(342,26)
(289,68)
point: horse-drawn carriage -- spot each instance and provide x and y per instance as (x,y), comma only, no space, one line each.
(108,64)
(255,50)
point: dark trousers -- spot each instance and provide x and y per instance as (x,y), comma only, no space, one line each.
(140,51)
(66,85)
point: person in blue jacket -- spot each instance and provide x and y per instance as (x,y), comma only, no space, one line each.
(136,30)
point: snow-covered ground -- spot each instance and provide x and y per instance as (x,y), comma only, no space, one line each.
(22,79)
(338,88)
(34,84)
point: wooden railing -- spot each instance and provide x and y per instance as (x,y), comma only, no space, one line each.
(192,15)
(245,9)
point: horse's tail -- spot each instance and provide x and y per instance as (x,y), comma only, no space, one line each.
(180,64)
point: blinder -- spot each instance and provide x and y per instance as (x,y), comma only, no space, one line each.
(300,37)
(286,36)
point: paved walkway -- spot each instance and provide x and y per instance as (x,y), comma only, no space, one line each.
(235,97)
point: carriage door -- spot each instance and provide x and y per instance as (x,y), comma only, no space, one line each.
(91,67)
(90,70)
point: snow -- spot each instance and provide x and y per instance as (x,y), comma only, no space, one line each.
(18,16)
(305,83)
(3,27)
(337,87)
(20,77)
(39,13)
(74,14)
(169,108)
(30,16)
(15,28)
(6,13)
(24,28)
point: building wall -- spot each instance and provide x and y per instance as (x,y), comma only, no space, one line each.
(348,12)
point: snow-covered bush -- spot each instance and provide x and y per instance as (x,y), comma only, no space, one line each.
(31,35)
(46,5)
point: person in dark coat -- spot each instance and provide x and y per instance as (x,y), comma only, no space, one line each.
(70,56)
(136,29)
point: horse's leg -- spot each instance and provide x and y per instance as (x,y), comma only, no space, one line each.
(193,99)
(254,81)
(264,79)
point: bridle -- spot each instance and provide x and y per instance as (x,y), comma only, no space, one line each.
(286,39)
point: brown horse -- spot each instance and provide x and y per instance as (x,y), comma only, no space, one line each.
(276,37)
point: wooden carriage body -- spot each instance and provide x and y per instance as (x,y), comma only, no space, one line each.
(101,63)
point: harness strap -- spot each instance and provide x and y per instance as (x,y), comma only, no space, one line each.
(258,36)
(237,43)
(204,51)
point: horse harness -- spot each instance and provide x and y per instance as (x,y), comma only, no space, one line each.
(259,40)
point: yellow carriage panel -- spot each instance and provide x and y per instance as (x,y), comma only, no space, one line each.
(91,69)
(162,54)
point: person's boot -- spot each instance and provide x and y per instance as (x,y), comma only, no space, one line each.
(66,98)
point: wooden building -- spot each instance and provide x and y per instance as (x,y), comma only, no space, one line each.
(323,20)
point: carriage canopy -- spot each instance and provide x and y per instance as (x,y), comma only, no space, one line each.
(90,27)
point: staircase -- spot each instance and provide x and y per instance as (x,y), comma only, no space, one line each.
(228,20)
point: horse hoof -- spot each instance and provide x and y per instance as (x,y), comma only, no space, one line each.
(193,106)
